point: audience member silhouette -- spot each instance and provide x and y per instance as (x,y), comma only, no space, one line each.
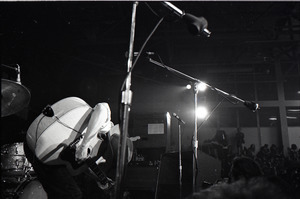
(255,188)
(244,168)
(239,136)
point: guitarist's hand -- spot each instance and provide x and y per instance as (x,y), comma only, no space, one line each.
(81,153)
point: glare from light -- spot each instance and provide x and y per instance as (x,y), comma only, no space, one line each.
(201,86)
(168,115)
(291,117)
(188,86)
(273,118)
(293,110)
(201,112)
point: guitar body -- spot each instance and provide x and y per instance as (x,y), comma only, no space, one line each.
(67,157)
(100,151)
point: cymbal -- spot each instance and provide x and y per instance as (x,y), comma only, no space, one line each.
(14,97)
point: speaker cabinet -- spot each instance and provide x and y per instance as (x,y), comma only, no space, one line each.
(209,170)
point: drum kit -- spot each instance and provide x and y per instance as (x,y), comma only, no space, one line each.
(18,179)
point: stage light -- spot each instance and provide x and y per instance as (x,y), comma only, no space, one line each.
(201,112)
(201,86)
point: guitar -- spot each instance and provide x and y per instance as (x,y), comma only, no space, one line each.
(74,167)
(99,163)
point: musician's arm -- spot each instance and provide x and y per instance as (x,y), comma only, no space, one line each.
(100,121)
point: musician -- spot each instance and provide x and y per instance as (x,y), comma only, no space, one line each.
(100,123)
(240,141)
(56,179)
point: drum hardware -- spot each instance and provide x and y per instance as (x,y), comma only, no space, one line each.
(13,186)
(15,170)
(29,188)
(10,186)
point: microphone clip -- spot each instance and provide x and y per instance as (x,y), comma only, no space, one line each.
(178,118)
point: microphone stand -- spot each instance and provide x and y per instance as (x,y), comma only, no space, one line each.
(126,101)
(195,138)
(180,162)
(179,153)
(251,105)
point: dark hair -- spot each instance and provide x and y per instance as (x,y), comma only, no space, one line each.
(244,168)
(255,188)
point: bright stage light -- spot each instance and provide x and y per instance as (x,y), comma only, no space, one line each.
(201,86)
(201,112)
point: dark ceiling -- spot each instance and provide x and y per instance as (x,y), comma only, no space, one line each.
(79,48)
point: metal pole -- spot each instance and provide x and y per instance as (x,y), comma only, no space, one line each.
(180,161)
(195,141)
(126,101)
(249,104)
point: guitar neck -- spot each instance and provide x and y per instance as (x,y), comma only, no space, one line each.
(96,170)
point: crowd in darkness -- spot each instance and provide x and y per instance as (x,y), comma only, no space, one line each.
(265,174)
(273,162)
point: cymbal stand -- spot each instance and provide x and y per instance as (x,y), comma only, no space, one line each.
(17,69)
(10,67)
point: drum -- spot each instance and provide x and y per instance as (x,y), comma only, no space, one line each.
(32,190)
(13,160)
(9,184)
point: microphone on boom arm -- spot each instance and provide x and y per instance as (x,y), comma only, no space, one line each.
(251,105)
(196,25)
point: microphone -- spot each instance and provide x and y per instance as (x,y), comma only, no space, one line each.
(251,105)
(178,118)
(196,25)
(18,74)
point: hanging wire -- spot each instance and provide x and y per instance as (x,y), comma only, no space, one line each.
(140,51)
